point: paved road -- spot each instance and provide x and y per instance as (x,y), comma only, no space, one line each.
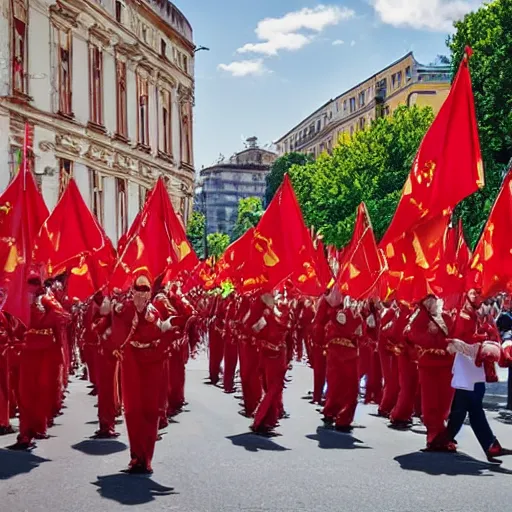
(207,462)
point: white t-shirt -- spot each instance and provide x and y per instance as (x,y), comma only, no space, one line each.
(465,373)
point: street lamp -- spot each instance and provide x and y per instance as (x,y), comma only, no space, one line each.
(200,48)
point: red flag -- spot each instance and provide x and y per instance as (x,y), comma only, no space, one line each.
(283,246)
(363,262)
(448,166)
(491,268)
(72,240)
(22,212)
(413,261)
(156,240)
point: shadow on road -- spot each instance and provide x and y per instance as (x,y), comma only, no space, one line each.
(130,489)
(99,447)
(447,464)
(254,443)
(17,463)
(330,439)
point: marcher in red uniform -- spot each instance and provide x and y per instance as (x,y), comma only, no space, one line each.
(47,319)
(270,330)
(373,392)
(230,347)
(342,334)
(110,337)
(248,314)
(393,322)
(319,349)
(429,329)
(142,362)
(216,338)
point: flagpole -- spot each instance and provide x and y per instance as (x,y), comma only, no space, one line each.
(24,164)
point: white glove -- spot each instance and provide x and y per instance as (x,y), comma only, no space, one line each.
(370,322)
(341,318)
(259,325)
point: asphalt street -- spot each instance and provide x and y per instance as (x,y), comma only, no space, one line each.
(208,462)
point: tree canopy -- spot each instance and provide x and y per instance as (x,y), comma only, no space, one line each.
(488,31)
(372,166)
(279,168)
(217,244)
(250,211)
(195,232)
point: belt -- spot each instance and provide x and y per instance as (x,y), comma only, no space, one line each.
(137,344)
(344,342)
(42,332)
(431,351)
(270,346)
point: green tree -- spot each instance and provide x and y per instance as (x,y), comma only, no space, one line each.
(217,244)
(372,166)
(195,232)
(279,168)
(488,31)
(250,211)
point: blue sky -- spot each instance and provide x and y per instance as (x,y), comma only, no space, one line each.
(273,62)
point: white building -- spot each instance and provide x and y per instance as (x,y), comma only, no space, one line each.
(108,88)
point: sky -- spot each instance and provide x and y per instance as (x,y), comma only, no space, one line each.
(273,62)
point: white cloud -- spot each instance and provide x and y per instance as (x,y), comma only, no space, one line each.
(352,43)
(245,67)
(287,32)
(435,15)
(338,42)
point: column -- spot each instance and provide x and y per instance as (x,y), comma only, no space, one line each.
(131,103)
(80,80)
(39,85)
(133,202)
(109,205)
(109,92)
(81,175)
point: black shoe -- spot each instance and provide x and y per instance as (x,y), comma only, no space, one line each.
(4,431)
(345,429)
(21,446)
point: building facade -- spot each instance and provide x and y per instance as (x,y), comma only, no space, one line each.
(107,87)
(405,82)
(223,185)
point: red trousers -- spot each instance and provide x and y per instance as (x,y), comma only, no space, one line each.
(142,377)
(436,398)
(108,394)
(90,353)
(365,360)
(408,383)
(5,391)
(389,365)
(56,372)
(373,392)
(177,373)
(230,363)
(319,363)
(274,366)
(342,384)
(252,389)
(216,353)
(14,383)
(36,385)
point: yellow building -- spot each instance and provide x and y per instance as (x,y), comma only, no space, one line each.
(405,82)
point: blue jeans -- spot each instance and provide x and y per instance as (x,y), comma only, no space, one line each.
(471,402)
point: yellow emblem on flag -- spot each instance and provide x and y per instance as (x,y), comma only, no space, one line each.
(264,245)
(82,270)
(12,260)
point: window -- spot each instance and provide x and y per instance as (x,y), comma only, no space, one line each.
(65,174)
(64,71)
(393,81)
(163,48)
(119,11)
(121,207)
(186,132)
(361,99)
(362,123)
(122,124)
(143,110)
(96,85)
(97,195)
(399,79)
(165,125)
(19,47)
(345,107)
(408,74)
(352,105)
(185,63)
